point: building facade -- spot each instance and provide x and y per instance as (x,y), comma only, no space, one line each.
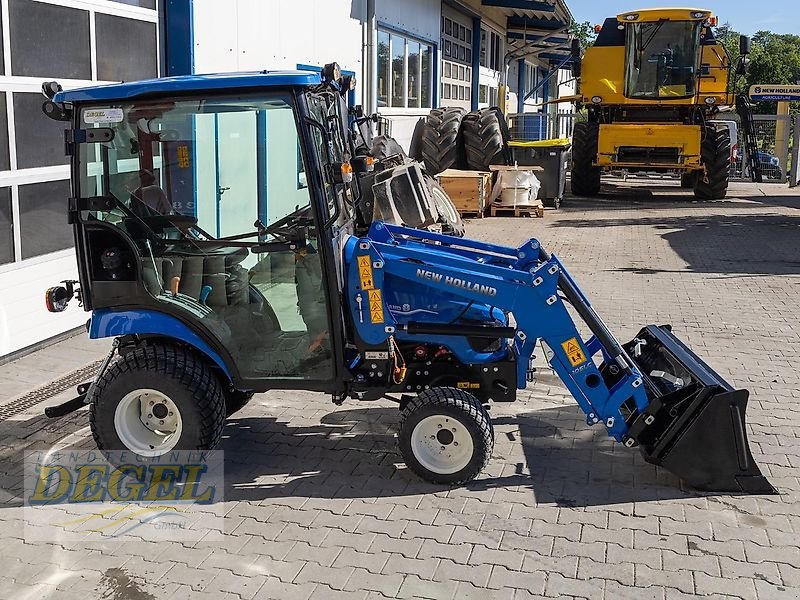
(408,56)
(77,43)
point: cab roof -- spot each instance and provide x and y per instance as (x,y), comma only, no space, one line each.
(647,15)
(164,86)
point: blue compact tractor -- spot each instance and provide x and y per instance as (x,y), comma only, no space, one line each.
(235,234)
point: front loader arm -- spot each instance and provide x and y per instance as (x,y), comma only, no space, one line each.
(653,391)
(519,281)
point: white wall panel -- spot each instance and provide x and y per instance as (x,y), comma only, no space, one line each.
(248,35)
(420,17)
(24,320)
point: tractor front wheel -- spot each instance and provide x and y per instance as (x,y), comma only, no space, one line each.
(157,399)
(585,178)
(446,436)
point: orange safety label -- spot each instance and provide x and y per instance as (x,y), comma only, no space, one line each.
(574,352)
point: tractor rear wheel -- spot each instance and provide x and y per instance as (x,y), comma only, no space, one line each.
(446,436)
(585,178)
(157,399)
(236,400)
(442,145)
(483,139)
(715,153)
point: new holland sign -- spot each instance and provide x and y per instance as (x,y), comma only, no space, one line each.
(775,93)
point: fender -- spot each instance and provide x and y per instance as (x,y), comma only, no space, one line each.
(109,323)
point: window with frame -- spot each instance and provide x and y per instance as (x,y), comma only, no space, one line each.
(405,71)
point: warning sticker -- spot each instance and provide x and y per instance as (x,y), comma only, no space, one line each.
(183,156)
(468,385)
(574,352)
(375,307)
(365,272)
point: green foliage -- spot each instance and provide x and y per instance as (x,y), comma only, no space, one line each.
(774,59)
(584,32)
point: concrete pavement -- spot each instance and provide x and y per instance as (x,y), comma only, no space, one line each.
(318,503)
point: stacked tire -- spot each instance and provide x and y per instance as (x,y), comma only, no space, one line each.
(451,138)
(442,145)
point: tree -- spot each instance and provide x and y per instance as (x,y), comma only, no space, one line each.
(583,32)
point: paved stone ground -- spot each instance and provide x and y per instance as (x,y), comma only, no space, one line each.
(319,504)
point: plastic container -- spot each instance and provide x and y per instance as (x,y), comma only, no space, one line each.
(553,157)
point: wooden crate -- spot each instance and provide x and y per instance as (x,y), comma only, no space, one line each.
(469,190)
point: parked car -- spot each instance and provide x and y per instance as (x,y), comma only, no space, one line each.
(769,163)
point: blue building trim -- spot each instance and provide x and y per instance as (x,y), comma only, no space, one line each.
(521,83)
(476,60)
(177,37)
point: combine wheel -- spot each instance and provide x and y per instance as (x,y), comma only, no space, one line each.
(483,139)
(716,155)
(688,179)
(157,399)
(441,145)
(585,177)
(446,436)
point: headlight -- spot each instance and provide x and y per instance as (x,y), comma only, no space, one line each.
(711,100)
(631,17)
(597,100)
(698,15)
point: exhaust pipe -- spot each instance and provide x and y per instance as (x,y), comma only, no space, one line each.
(694,425)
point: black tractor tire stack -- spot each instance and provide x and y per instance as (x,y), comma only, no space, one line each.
(484,142)
(585,178)
(442,145)
(715,153)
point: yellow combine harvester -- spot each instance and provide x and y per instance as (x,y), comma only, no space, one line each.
(652,82)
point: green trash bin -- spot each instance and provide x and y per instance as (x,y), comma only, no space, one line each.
(553,157)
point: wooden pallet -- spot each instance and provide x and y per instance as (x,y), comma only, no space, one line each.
(519,211)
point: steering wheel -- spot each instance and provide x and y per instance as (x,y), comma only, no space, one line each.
(286,227)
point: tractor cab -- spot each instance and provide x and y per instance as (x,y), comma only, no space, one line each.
(213,209)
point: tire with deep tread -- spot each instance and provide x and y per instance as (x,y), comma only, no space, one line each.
(385,146)
(415,147)
(236,400)
(483,139)
(456,404)
(585,178)
(688,179)
(715,153)
(442,144)
(180,374)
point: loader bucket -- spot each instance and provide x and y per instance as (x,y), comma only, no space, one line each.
(694,425)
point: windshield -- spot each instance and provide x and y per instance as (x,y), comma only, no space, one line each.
(225,162)
(662,59)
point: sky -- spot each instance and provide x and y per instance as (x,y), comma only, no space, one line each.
(779,16)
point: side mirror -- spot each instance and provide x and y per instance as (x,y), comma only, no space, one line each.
(743,66)
(575,49)
(744,45)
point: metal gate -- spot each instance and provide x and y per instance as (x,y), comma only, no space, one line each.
(774,134)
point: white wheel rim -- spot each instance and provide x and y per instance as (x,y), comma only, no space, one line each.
(148,422)
(442,444)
